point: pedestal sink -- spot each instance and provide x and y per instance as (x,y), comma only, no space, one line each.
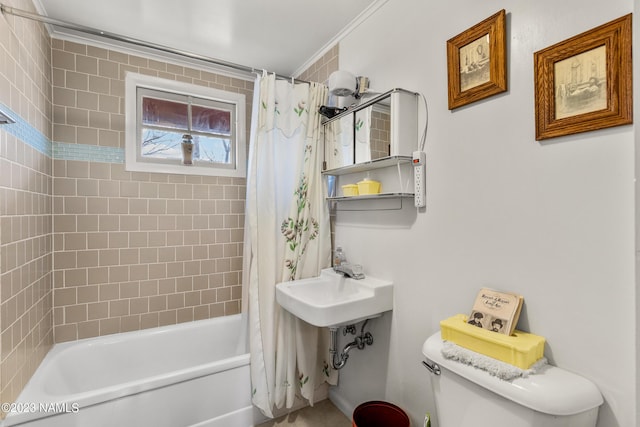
(332,299)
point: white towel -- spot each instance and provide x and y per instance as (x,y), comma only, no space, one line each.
(497,368)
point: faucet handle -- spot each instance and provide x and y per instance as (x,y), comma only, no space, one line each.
(357,270)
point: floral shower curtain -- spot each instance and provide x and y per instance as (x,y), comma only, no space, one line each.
(287,237)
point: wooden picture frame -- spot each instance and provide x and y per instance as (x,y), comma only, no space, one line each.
(477,62)
(585,83)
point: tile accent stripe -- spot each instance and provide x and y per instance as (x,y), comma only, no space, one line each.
(22,130)
(91,153)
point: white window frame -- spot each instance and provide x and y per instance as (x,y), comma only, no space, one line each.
(134,81)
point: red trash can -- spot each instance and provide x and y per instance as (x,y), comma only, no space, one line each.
(379,414)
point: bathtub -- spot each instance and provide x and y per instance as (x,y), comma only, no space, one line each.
(193,374)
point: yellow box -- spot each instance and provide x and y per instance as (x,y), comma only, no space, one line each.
(520,349)
(368,186)
(350,190)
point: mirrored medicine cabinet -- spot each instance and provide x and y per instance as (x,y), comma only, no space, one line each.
(384,126)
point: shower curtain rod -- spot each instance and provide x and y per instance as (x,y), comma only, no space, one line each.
(137,42)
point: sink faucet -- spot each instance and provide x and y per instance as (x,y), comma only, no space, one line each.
(353,271)
(340,265)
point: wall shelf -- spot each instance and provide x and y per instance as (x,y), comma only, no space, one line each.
(390,200)
(371,202)
(370,197)
(368,166)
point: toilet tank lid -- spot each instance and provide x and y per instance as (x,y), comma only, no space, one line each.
(552,390)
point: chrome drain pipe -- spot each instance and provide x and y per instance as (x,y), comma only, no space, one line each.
(339,360)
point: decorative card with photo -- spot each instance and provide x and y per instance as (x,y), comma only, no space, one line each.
(496,311)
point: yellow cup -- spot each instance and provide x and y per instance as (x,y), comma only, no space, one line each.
(350,190)
(368,186)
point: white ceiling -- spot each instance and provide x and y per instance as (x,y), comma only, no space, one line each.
(277,35)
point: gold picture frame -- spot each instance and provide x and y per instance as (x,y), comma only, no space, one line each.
(477,62)
(585,83)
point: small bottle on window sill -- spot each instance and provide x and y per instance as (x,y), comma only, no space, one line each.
(187,149)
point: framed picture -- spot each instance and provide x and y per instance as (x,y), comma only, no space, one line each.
(584,83)
(477,62)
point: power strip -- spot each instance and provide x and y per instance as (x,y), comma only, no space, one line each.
(419,186)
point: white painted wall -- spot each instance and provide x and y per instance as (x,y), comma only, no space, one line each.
(553,221)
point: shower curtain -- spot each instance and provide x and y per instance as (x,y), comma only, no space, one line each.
(287,237)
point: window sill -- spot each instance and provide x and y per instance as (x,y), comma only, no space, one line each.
(180,169)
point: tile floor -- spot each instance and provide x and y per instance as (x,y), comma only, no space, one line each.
(322,414)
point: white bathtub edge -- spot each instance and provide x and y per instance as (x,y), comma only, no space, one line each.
(248,416)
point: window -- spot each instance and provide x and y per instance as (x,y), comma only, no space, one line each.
(159,113)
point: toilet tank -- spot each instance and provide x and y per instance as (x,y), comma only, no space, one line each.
(466,396)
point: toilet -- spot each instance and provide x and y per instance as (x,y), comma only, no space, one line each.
(469,397)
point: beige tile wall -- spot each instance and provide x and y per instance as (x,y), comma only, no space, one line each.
(380,134)
(25,203)
(323,67)
(135,250)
